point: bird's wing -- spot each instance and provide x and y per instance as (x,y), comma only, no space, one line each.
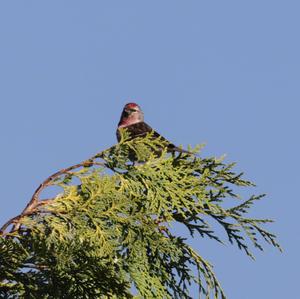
(141,129)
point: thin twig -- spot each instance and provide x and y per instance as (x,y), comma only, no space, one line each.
(34,203)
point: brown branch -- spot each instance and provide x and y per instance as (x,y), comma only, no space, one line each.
(34,203)
(37,267)
(17,218)
(8,223)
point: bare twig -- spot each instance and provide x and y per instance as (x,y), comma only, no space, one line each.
(34,202)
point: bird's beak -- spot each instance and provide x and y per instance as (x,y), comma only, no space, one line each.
(126,112)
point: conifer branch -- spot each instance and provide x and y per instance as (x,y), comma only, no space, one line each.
(115,229)
(34,202)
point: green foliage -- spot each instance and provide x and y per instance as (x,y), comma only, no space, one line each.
(110,236)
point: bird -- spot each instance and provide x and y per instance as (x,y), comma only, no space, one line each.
(132,119)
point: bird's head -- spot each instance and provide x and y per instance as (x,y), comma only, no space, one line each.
(131,114)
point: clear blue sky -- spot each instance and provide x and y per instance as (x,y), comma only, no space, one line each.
(222,72)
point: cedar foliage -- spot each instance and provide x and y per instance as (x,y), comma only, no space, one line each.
(111,236)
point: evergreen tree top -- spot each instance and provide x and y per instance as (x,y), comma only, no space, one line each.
(111,235)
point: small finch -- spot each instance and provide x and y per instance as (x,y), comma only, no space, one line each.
(132,118)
